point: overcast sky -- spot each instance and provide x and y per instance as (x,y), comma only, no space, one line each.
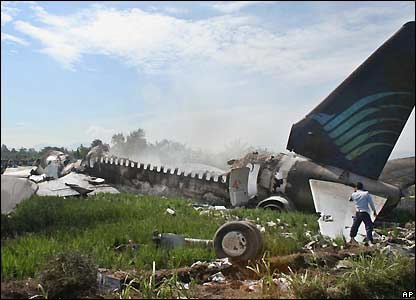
(201,73)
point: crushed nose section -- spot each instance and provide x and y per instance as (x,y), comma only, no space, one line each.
(331,201)
(356,127)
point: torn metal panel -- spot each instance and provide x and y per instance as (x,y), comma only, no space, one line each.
(68,169)
(252,179)
(55,188)
(96,181)
(73,184)
(14,190)
(52,170)
(23,172)
(56,164)
(331,201)
(81,190)
(239,186)
(38,178)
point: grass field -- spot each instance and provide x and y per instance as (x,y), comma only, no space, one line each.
(42,227)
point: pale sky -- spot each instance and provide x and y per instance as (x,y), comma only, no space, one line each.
(200,73)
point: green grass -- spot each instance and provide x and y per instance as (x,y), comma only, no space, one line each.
(41,227)
(371,277)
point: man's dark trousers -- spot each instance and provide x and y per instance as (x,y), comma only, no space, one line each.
(362,217)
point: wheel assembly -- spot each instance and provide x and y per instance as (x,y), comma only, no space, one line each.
(238,241)
(276,203)
(273,205)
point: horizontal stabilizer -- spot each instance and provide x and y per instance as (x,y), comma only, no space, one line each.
(332,202)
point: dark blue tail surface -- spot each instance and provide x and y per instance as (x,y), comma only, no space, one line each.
(357,125)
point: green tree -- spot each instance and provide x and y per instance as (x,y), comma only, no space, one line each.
(4,149)
(118,139)
(96,142)
(77,154)
(135,143)
(13,154)
(83,151)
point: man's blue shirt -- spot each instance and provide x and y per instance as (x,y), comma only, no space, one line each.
(362,199)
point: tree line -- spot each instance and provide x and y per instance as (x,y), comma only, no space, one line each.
(31,154)
(135,146)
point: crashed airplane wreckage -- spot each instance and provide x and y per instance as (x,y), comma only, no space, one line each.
(54,175)
(346,139)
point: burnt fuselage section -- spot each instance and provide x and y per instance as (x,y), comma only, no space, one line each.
(288,175)
(283,175)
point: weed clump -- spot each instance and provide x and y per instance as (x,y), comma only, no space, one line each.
(68,275)
(379,277)
(373,276)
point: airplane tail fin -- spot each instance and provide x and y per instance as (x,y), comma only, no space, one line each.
(357,125)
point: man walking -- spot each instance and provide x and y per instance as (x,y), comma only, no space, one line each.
(362,200)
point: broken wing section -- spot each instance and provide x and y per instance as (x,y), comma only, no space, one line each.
(14,190)
(74,184)
(331,201)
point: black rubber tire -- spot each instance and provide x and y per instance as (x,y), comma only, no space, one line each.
(252,236)
(260,241)
(273,205)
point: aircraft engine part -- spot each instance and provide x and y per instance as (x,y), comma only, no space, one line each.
(238,241)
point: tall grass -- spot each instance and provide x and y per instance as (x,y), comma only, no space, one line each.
(43,226)
(371,277)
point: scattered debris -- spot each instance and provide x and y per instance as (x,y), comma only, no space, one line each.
(171,211)
(344,264)
(130,245)
(96,181)
(168,240)
(220,264)
(271,224)
(205,208)
(287,234)
(282,283)
(218,277)
(22,172)
(38,178)
(172,240)
(261,228)
(108,282)
(309,245)
(81,190)
(73,184)
(250,285)
(220,207)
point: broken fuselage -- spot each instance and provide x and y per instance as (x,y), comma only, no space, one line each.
(282,181)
